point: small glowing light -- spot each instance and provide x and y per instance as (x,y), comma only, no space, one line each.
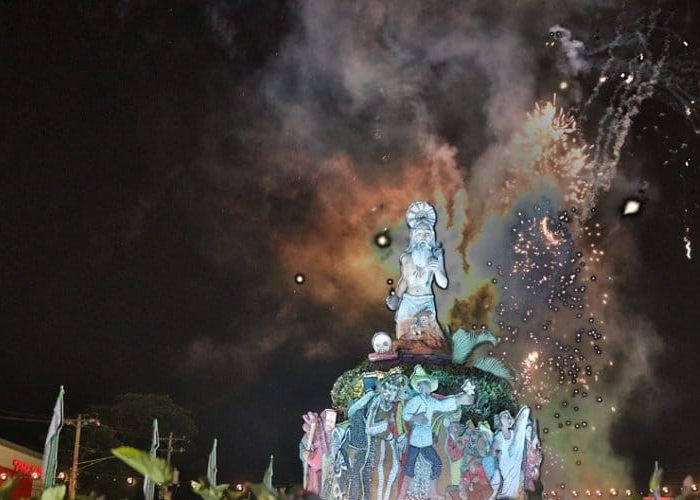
(239,487)
(299,279)
(687,111)
(613,491)
(603,79)
(564,85)
(665,489)
(61,476)
(628,492)
(382,240)
(130,481)
(588,493)
(694,487)
(599,493)
(35,475)
(629,78)
(3,476)
(685,44)
(631,207)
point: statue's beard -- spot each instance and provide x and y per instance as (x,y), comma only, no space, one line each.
(421,253)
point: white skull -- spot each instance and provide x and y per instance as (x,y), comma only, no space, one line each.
(381,342)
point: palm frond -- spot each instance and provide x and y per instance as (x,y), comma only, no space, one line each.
(494,367)
(463,343)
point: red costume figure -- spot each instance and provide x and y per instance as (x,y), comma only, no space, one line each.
(474,485)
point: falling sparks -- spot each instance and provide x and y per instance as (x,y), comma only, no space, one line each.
(546,315)
(547,233)
(686,240)
(548,147)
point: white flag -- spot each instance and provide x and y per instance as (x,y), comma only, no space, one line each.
(149,487)
(50,459)
(211,466)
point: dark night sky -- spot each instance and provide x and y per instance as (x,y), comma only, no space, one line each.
(169,166)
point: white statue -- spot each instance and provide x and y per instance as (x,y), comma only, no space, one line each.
(421,263)
(509,444)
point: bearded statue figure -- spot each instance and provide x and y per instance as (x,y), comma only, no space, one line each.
(422,263)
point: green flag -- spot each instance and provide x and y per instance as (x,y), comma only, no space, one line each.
(149,488)
(50,459)
(211,466)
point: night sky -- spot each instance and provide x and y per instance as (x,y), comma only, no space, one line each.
(170,166)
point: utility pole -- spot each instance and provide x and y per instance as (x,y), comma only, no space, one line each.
(171,440)
(79,422)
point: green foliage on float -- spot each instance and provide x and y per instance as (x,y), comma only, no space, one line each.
(493,393)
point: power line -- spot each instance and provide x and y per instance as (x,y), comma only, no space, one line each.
(25,419)
(22,413)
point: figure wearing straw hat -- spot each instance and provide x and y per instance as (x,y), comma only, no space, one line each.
(419,412)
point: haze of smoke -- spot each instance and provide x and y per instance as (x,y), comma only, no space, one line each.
(573,49)
(355,111)
(371,107)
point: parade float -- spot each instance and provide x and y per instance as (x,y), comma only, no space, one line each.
(425,416)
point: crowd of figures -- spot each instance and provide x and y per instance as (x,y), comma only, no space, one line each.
(402,441)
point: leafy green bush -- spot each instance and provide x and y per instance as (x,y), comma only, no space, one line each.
(493,394)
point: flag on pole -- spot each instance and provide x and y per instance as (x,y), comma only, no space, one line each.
(149,488)
(50,459)
(211,466)
(267,477)
(655,481)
